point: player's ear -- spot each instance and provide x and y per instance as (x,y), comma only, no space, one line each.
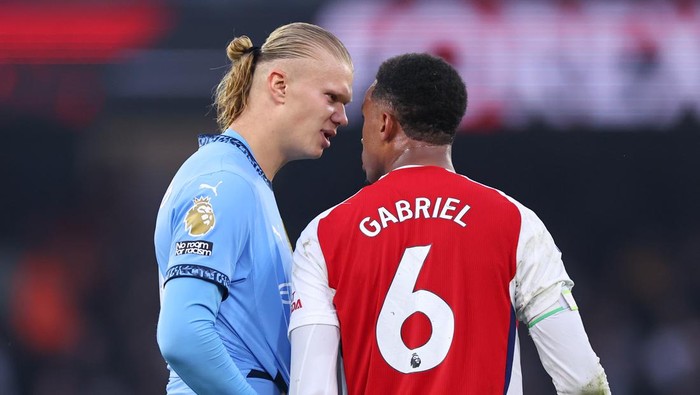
(277,85)
(390,126)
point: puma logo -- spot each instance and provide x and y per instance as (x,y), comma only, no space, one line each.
(213,188)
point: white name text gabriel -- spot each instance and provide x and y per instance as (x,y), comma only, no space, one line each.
(441,208)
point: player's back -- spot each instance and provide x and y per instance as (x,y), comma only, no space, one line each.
(422,263)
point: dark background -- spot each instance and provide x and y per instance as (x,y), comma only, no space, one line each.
(92,134)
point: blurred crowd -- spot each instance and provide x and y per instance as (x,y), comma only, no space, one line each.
(593,63)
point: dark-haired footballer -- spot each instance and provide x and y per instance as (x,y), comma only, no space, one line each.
(423,275)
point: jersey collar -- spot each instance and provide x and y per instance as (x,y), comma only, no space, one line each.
(229,136)
(411,167)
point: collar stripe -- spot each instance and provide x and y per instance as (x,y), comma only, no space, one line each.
(205,139)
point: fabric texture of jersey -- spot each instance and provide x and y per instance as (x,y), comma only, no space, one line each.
(219,222)
(426,272)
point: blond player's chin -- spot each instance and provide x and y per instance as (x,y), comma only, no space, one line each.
(307,154)
(320,152)
(316,154)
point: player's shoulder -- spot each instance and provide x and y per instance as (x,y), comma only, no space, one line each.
(493,194)
(223,186)
(214,155)
(340,207)
(528,218)
(352,203)
(340,210)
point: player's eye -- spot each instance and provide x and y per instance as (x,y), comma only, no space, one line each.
(332,97)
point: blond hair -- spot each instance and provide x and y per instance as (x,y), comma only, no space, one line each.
(292,41)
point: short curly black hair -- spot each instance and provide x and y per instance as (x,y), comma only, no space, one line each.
(427,95)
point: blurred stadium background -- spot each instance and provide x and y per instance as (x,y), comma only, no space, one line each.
(585,111)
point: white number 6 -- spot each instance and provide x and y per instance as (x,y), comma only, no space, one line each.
(400,303)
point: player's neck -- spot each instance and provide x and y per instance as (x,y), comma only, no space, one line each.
(265,152)
(418,153)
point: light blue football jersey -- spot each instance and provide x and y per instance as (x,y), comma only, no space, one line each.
(219,222)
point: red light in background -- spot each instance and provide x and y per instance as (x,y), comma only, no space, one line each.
(8,81)
(77,33)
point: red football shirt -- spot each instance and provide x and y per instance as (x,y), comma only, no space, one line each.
(419,272)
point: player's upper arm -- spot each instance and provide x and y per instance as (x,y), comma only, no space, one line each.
(312,296)
(211,220)
(540,274)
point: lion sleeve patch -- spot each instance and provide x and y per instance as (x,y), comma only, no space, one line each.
(200,218)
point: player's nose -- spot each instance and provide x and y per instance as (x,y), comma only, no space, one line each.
(340,117)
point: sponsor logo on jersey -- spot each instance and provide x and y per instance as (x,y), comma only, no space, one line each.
(415,361)
(285,292)
(200,218)
(203,248)
(296,304)
(213,188)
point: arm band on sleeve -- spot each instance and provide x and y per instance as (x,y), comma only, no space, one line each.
(566,302)
(189,342)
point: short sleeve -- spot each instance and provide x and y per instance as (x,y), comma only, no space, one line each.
(312,297)
(211,220)
(540,273)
